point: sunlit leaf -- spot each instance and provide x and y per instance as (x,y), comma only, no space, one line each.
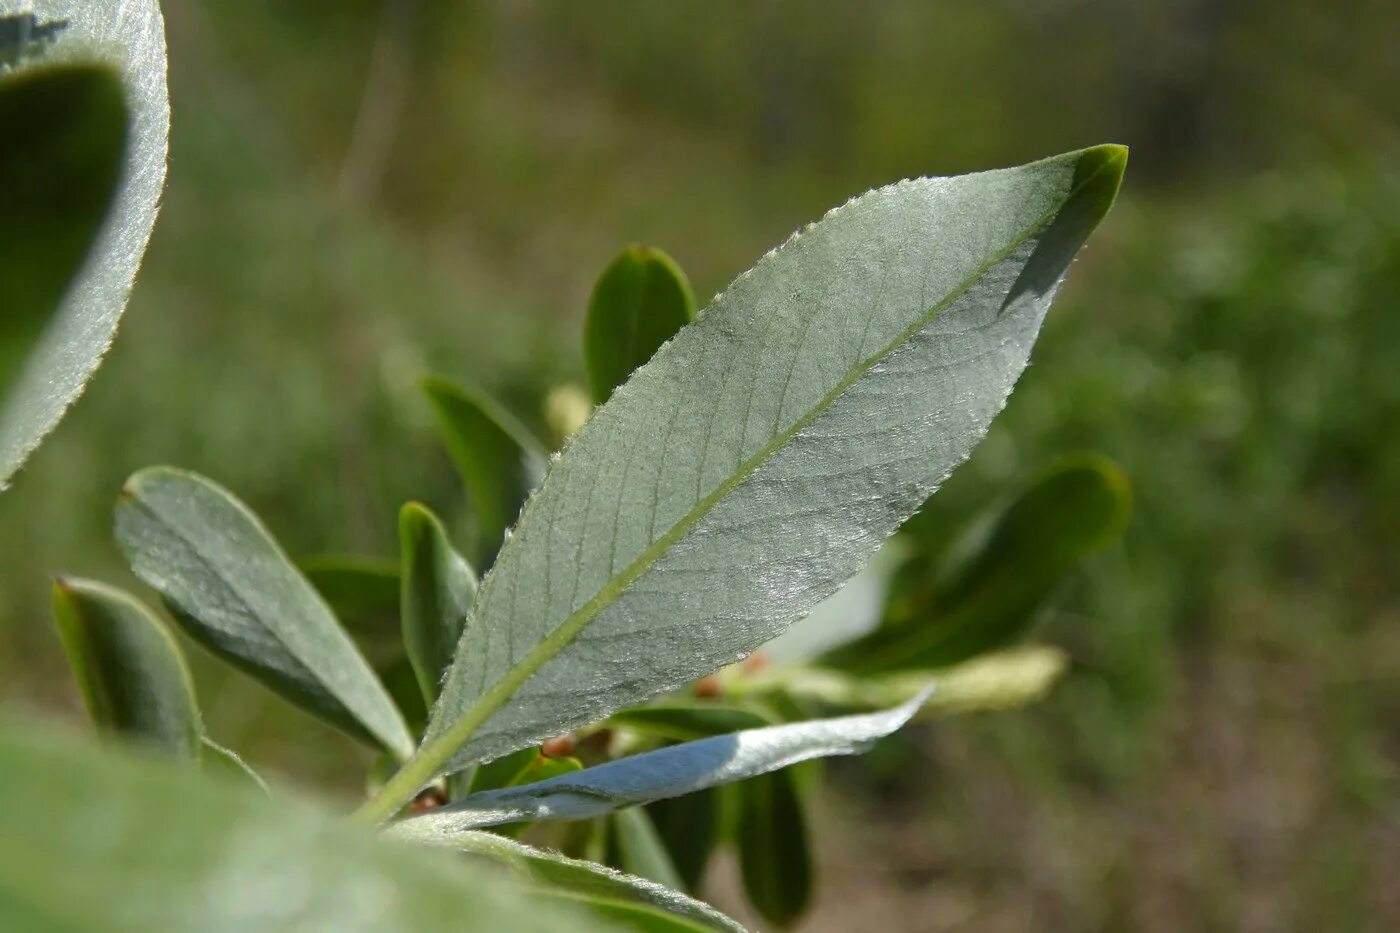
(656,775)
(639,303)
(762,456)
(129,669)
(231,586)
(129,37)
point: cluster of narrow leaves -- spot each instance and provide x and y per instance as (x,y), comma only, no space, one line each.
(743,464)
(85,113)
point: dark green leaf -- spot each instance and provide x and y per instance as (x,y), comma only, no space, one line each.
(130,671)
(682,722)
(774,858)
(689,829)
(498,461)
(639,303)
(637,848)
(362,591)
(502,771)
(990,598)
(94,841)
(438,587)
(231,586)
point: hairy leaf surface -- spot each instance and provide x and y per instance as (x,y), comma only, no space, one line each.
(128,35)
(666,772)
(232,587)
(762,456)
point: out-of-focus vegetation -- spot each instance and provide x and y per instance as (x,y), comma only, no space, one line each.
(362,192)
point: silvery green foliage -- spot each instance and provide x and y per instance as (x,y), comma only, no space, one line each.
(591,881)
(667,772)
(762,456)
(233,588)
(131,35)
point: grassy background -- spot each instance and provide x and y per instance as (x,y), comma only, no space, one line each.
(361,191)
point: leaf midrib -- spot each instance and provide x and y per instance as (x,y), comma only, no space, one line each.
(439,750)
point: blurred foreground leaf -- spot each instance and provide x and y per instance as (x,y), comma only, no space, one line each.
(63,118)
(98,841)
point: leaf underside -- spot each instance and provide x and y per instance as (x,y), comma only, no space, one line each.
(759,459)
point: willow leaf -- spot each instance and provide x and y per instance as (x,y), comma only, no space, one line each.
(233,588)
(658,775)
(663,909)
(762,456)
(438,586)
(128,36)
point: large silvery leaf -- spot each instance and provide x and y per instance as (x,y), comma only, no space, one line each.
(101,842)
(230,585)
(762,456)
(667,772)
(130,36)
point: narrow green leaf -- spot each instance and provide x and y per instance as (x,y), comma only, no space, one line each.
(231,586)
(997,680)
(991,597)
(683,722)
(95,841)
(502,771)
(657,775)
(77,131)
(438,589)
(639,303)
(664,910)
(762,456)
(226,762)
(775,860)
(498,461)
(130,671)
(363,592)
(637,848)
(689,828)
(543,768)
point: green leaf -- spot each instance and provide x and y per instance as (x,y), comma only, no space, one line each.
(498,461)
(991,597)
(95,841)
(639,303)
(637,848)
(775,860)
(502,771)
(758,460)
(657,775)
(682,722)
(55,172)
(542,768)
(223,761)
(234,590)
(689,828)
(363,592)
(438,589)
(655,908)
(129,669)
(998,680)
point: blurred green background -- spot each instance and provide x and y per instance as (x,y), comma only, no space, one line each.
(361,191)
